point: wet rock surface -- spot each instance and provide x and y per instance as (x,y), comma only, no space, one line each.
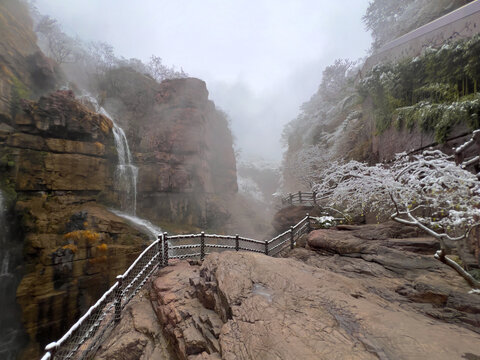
(138,336)
(352,295)
(191,327)
(400,269)
(68,267)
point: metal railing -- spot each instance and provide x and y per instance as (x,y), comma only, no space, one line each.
(300,198)
(86,335)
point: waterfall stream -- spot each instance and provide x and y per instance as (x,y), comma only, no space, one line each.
(127,173)
(126,176)
(143,225)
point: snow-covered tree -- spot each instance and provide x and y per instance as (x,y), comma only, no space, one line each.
(428,191)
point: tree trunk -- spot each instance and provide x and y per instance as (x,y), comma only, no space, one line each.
(440,255)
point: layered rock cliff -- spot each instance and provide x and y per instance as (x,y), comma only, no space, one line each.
(58,160)
(58,166)
(181,144)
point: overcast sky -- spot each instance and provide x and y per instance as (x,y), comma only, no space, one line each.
(261,59)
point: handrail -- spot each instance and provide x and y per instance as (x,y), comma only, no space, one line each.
(83,338)
(139,257)
(301,197)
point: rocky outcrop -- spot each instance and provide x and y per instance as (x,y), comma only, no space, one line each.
(356,295)
(56,144)
(57,167)
(401,264)
(393,141)
(138,336)
(188,324)
(181,143)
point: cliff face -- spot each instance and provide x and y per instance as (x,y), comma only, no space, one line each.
(181,143)
(58,173)
(57,162)
(24,71)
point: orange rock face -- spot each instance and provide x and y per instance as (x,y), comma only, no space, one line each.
(57,161)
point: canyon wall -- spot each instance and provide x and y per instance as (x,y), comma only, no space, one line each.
(182,145)
(58,164)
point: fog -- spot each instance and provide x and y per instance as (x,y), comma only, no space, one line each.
(261,59)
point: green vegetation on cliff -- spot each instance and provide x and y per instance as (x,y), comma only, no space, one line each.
(436,91)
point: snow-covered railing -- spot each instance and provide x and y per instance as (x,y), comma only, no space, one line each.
(301,198)
(88,333)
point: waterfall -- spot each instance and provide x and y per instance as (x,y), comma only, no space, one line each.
(126,176)
(143,225)
(127,173)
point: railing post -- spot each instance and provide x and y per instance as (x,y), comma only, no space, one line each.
(237,242)
(314,194)
(292,241)
(202,245)
(165,249)
(308,223)
(291,198)
(266,247)
(118,299)
(160,251)
(300,196)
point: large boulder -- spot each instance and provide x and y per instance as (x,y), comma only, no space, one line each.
(138,336)
(250,306)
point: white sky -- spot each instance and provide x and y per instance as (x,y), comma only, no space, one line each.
(261,59)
